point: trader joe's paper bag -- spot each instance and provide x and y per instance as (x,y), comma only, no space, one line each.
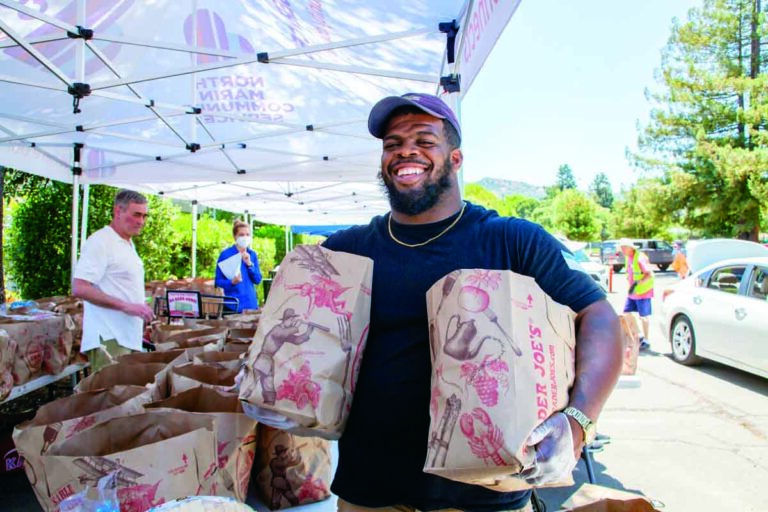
(160,456)
(502,362)
(144,374)
(302,365)
(191,375)
(291,470)
(65,417)
(7,358)
(235,435)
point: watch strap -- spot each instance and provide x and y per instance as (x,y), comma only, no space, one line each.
(587,425)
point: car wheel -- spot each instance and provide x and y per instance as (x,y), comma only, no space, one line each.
(664,267)
(617,268)
(683,341)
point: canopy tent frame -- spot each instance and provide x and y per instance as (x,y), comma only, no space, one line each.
(295,169)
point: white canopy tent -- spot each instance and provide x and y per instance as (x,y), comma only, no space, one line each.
(244,105)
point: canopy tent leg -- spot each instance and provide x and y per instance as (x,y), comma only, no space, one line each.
(194,238)
(75,207)
(84,220)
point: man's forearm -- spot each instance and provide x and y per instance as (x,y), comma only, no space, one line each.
(598,358)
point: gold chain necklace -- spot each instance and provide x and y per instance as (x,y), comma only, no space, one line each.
(389,227)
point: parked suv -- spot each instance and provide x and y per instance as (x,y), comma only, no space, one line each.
(659,253)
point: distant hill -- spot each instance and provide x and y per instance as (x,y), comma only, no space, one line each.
(510,187)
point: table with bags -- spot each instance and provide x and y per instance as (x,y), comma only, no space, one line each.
(39,344)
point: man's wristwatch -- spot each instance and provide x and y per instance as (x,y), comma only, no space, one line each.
(587,425)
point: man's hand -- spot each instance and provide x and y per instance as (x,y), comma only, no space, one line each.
(237,279)
(555,457)
(246,258)
(140,310)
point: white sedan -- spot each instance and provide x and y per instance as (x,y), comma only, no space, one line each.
(721,313)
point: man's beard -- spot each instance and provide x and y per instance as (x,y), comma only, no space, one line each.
(414,202)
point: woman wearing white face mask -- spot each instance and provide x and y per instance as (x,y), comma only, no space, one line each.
(242,285)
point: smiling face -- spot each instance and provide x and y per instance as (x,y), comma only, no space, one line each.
(418,168)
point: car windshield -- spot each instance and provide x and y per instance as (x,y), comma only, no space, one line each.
(664,246)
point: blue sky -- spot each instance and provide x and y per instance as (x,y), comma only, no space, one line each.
(565,84)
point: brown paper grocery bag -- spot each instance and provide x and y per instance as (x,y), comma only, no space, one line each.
(240,334)
(191,375)
(161,332)
(235,434)
(227,360)
(43,344)
(199,337)
(631,343)
(243,320)
(291,470)
(57,351)
(172,357)
(237,347)
(502,362)
(144,374)
(66,417)
(7,358)
(597,498)
(303,362)
(161,456)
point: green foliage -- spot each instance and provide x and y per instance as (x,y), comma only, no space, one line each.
(156,245)
(213,236)
(644,210)
(710,119)
(266,251)
(520,206)
(39,242)
(565,178)
(277,234)
(601,191)
(575,216)
(480,195)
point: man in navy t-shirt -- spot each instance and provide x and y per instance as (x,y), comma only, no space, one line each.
(429,233)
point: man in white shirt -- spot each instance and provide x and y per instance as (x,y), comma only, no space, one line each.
(109,277)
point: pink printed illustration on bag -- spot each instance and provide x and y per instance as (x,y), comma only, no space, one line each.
(488,378)
(474,298)
(484,438)
(312,489)
(299,388)
(139,498)
(322,292)
(83,423)
(287,331)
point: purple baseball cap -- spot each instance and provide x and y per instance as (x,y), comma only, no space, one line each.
(432,105)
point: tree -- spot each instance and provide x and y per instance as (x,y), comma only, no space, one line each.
(708,130)
(601,191)
(520,206)
(575,216)
(565,179)
(643,210)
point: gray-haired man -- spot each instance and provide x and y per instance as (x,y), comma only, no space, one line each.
(109,277)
